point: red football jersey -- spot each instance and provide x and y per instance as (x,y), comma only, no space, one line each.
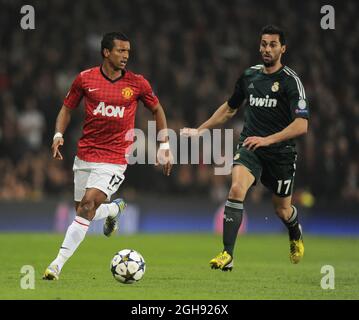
(110,112)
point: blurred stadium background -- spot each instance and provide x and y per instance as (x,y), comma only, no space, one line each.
(192,52)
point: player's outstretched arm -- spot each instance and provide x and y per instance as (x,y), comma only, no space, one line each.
(62,121)
(164,155)
(221,116)
(297,128)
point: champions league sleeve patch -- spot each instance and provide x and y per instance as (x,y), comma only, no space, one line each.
(302,107)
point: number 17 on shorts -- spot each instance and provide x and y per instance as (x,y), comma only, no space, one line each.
(285,187)
(115,182)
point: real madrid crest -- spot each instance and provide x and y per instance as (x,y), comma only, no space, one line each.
(127,92)
(275,86)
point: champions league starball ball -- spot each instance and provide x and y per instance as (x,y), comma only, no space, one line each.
(128,266)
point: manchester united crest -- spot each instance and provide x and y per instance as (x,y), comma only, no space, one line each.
(127,92)
(275,86)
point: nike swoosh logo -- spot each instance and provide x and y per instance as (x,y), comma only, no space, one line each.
(90,90)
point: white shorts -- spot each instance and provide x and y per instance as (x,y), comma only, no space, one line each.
(106,177)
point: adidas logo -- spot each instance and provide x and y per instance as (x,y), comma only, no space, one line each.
(251,86)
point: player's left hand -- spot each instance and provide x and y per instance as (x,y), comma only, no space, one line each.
(165,158)
(252,143)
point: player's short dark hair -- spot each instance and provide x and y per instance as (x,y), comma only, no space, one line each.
(107,40)
(272,29)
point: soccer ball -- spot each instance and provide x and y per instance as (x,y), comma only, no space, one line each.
(128,266)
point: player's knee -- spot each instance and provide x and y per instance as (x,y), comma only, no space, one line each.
(86,209)
(237,191)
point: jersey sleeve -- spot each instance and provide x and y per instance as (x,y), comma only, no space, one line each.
(238,95)
(297,99)
(74,96)
(147,95)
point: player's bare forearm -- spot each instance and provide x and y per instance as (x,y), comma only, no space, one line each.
(164,155)
(62,121)
(161,122)
(222,115)
(297,128)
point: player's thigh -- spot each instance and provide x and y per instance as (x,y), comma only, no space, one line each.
(279,173)
(93,198)
(81,177)
(252,170)
(246,171)
(107,179)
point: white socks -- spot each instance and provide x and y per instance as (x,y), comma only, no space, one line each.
(105,210)
(75,234)
(77,230)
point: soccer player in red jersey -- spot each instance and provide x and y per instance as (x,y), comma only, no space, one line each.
(111,94)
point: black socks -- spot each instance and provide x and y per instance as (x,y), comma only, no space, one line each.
(293,225)
(232,220)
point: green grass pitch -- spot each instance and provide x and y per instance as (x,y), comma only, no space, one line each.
(177,268)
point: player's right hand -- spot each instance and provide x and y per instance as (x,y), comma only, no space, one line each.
(55,148)
(189,132)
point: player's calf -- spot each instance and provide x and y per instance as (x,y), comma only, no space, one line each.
(86,209)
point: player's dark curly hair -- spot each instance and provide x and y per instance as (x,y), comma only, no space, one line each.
(272,29)
(107,40)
